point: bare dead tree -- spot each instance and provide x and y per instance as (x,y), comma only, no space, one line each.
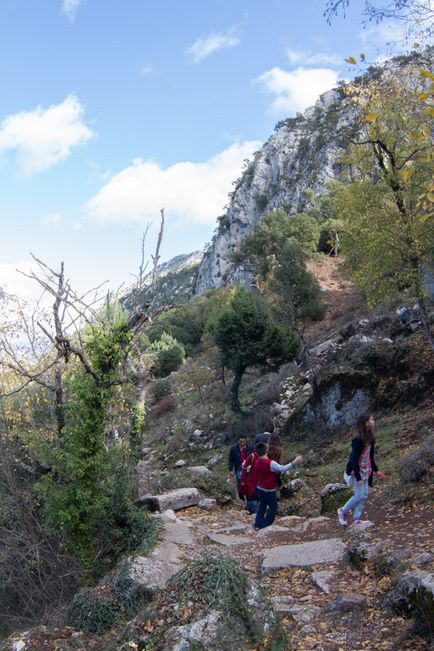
(63,341)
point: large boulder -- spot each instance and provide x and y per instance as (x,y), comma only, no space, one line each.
(153,572)
(176,500)
(413,596)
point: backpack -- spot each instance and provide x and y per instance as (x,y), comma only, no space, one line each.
(248,479)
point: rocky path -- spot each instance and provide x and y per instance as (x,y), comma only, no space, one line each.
(325,604)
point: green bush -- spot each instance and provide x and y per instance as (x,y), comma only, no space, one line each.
(116,599)
(161,389)
(187,323)
(169,355)
(126,526)
(169,360)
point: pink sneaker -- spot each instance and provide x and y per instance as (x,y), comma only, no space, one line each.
(342,518)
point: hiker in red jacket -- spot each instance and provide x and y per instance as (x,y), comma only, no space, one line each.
(249,481)
(266,470)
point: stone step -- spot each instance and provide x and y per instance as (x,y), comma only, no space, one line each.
(310,553)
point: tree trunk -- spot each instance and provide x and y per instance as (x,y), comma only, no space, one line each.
(234,392)
(59,409)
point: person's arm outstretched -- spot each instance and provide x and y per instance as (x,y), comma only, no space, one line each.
(277,467)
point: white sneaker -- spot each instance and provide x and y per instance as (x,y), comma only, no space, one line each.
(342,518)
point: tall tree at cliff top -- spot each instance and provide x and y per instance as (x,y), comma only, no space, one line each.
(247,335)
(388,208)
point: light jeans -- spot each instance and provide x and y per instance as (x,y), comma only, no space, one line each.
(357,501)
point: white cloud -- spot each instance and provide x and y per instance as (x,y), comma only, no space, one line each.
(70,8)
(190,192)
(203,47)
(298,89)
(308,58)
(147,70)
(384,33)
(52,218)
(43,138)
(17,284)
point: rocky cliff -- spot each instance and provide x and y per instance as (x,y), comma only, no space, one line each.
(176,281)
(302,154)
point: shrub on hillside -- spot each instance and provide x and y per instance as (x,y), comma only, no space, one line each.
(117,598)
(418,464)
(164,406)
(161,389)
(169,355)
(126,526)
(213,605)
(187,323)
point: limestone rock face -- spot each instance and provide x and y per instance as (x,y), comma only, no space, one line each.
(301,154)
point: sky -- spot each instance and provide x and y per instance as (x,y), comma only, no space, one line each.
(113,109)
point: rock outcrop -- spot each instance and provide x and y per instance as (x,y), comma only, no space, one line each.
(302,154)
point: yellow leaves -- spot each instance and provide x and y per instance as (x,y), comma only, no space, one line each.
(351,60)
(427,74)
(407,173)
(429,110)
(372,117)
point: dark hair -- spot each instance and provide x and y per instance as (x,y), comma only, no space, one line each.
(276,440)
(365,431)
(261,448)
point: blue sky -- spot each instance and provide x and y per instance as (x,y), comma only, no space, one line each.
(113,109)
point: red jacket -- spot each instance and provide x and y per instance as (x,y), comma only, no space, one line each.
(266,478)
(249,477)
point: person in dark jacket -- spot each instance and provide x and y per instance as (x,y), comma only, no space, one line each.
(237,455)
(360,469)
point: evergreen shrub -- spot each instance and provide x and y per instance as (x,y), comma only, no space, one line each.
(116,599)
(161,389)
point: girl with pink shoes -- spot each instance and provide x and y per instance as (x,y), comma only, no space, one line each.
(360,469)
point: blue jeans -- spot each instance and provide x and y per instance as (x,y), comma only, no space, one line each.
(267,508)
(357,501)
(252,502)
